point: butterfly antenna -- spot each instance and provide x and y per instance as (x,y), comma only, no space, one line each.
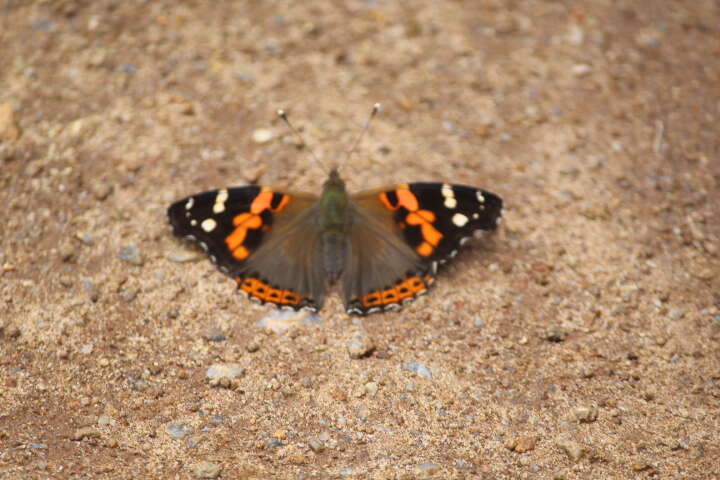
(375,110)
(281,113)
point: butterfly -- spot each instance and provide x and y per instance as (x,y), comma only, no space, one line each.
(380,247)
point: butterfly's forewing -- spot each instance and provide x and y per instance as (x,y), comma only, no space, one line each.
(258,236)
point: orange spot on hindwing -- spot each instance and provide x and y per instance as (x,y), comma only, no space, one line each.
(408,288)
(267,293)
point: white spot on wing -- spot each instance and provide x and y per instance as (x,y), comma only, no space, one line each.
(190,203)
(460,220)
(193,222)
(476,216)
(480,196)
(447,192)
(220,200)
(208,224)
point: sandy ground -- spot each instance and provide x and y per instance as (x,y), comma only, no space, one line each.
(581,341)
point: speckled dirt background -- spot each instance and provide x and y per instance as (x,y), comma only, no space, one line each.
(581,341)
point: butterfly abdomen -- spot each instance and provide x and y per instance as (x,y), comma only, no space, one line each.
(334,223)
(333,249)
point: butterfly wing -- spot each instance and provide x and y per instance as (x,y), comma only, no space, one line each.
(260,237)
(400,233)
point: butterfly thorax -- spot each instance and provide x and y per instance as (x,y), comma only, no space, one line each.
(334,223)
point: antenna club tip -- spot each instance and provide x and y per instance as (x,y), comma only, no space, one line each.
(280,112)
(376,107)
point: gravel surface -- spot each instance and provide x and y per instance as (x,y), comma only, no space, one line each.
(579,341)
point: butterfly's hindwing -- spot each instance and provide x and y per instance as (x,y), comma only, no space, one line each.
(381,271)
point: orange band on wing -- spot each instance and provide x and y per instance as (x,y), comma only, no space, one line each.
(264,202)
(266,293)
(405,289)
(407,199)
(251,221)
(422,218)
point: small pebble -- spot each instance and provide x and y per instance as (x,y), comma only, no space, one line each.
(206,469)
(225,370)
(677,313)
(184,255)
(271,443)
(216,419)
(580,70)
(67,252)
(34,167)
(38,446)
(427,470)
(12,331)
(131,254)
(85,432)
(555,334)
(129,291)
(101,190)
(641,467)
(9,130)
(214,335)
(280,321)
(359,344)
(253,345)
(371,388)
(179,430)
(316,445)
(418,369)
(194,441)
(85,238)
(586,414)
(522,444)
(262,135)
(105,421)
(574,450)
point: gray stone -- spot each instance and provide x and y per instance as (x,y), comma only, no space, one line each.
(214,335)
(418,368)
(130,254)
(179,430)
(316,445)
(359,344)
